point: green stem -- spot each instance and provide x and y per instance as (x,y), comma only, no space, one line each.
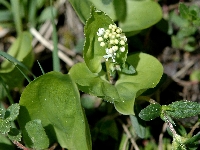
(15,6)
(146,98)
(5,3)
(56,62)
(108,71)
(32,12)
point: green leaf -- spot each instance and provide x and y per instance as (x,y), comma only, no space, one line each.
(2,113)
(140,15)
(4,126)
(82,9)
(150,91)
(127,87)
(93,52)
(177,20)
(12,112)
(150,112)
(138,124)
(148,74)
(108,127)
(14,135)
(193,140)
(54,99)
(106,6)
(5,143)
(195,76)
(46,14)
(37,134)
(21,50)
(93,84)
(5,16)
(128,69)
(183,109)
(120,9)
(184,11)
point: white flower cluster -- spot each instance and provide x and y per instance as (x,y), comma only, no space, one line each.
(113,40)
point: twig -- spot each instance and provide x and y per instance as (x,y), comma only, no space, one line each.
(19,145)
(42,31)
(53,147)
(194,127)
(161,136)
(183,70)
(48,45)
(169,124)
(129,136)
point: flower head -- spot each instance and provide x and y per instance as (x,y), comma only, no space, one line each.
(113,40)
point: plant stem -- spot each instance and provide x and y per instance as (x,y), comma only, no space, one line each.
(15,6)
(130,137)
(56,62)
(108,71)
(193,128)
(19,145)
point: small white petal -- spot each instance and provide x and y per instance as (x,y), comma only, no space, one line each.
(107,31)
(100,39)
(115,48)
(116,41)
(105,36)
(110,26)
(102,44)
(122,49)
(119,30)
(122,42)
(112,37)
(100,31)
(117,35)
(112,41)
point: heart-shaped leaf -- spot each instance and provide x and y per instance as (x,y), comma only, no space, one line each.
(140,15)
(148,74)
(92,83)
(127,88)
(82,9)
(54,99)
(93,52)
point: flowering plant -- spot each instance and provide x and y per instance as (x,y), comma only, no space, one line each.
(107,71)
(50,107)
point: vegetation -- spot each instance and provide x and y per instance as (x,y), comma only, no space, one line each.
(131,82)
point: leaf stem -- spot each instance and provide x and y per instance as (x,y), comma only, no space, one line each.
(19,145)
(146,98)
(169,124)
(108,71)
